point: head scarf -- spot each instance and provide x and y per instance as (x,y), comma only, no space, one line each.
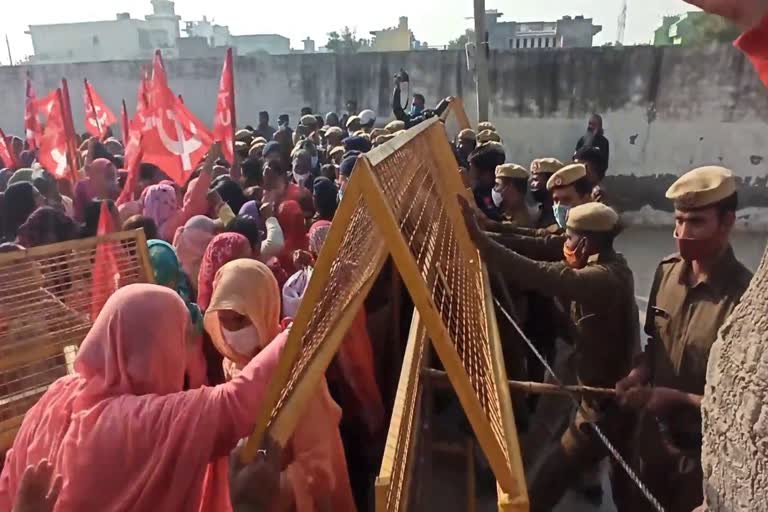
(248,288)
(190,243)
(46,225)
(291,219)
(18,206)
(168,273)
(127,387)
(325,193)
(222,249)
(160,203)
(317,235)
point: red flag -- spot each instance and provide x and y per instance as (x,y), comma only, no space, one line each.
(6,153)
(105,272)
(133,156)
(124,123)
(53,143)
(97,114)
(172,137)
(69,127)
(31,122)
(45,104)
(224,118)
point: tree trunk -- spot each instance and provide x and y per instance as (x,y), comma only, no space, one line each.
(735,408)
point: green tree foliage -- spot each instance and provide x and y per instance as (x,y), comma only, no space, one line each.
(460,42)
(712,29)
(345,41)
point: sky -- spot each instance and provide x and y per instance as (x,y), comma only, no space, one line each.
(433,21)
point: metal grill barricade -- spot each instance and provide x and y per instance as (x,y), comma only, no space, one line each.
(46,298)
(402,201)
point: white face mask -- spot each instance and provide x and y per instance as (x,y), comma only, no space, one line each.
(497,198)
(244,342)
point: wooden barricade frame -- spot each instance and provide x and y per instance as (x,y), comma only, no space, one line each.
(42,264)
(299,371)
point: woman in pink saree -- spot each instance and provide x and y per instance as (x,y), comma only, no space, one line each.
(243,321)
(121,431)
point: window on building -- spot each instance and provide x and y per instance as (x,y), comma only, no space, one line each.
(95,40)
(525,42)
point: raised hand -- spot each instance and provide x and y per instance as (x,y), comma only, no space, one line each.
(39,489)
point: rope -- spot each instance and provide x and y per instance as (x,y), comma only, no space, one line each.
(614,452)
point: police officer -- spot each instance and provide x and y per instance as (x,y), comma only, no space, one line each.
(542,170)
(693,293)
(569,187)
(508,195)
(598,285)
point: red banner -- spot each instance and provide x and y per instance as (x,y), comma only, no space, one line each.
(133,156)
(53,143)
(224,119)
(105,272)
(172,137)
(98,116)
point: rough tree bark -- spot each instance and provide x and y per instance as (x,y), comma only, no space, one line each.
(735,408)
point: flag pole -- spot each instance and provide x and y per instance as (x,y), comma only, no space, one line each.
(70,162)
(93,106)
(236,170)
(124,123)
(69,126)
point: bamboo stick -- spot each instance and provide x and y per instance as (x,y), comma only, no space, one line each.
(534,388)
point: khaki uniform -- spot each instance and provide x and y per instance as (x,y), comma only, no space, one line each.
(605,321)
(682,324)
(520,218)
(537,244)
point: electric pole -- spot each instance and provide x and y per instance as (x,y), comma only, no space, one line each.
(481,61)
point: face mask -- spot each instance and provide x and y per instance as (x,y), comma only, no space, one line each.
(693,249)
(574,257)
(540,195)
(244,342)
(314,162)
(340,195)
(561,214)
(497,198)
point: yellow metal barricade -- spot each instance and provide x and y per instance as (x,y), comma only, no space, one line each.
(402,201)
(455,119)
(46,294)
(393,484)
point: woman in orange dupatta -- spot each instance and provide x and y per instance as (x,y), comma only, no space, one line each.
(121,431)
(243,320)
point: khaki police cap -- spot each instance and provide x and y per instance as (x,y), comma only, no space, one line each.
(592,217)
(308,120)
(381,139)
(486,126)
(352,120)
(334,130)
(395,126)
(546,166)
(566,176)
(241,146)
(702,187)
(243,135)
(256,149)
(467,134)
(488,136)
(337,150)
(378,132)
(259,140)
(513,171)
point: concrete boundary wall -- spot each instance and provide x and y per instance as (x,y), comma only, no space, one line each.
(666,110)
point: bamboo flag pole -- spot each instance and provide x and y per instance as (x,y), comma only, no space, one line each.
(534,388)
